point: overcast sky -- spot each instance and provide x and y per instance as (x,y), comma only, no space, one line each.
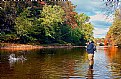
(94,9)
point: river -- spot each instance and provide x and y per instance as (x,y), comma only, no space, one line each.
(60,63)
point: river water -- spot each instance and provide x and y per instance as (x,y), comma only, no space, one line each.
(61,63)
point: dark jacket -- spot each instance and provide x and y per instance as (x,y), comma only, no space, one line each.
(91,48)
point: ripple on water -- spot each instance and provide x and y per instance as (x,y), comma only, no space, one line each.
(73,76)
(63,66)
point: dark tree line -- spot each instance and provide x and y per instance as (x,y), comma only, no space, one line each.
(42,22)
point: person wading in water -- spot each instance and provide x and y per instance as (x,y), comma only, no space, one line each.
(90,50)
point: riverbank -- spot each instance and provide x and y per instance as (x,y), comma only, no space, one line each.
(15,47)
(12,46)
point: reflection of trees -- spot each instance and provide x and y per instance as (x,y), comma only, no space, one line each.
(114,55)
(4,66)
(90,74)
(111,52)
(47,64)
(60,62)
(5,69)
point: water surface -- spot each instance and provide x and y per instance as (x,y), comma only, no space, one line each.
(63,63)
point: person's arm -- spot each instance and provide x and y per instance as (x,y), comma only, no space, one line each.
(95,48)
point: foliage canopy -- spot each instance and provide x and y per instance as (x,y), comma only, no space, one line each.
(32,22)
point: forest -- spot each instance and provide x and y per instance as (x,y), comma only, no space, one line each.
(114,34)
(43,22)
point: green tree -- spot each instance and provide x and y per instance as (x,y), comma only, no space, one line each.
(24,25)
(85,27)
(55,23)
(51,17)
(114,33)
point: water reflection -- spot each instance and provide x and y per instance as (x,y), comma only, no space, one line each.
(13,59)
(61,64)
(90,69)
(90,74)
(5,66)
(114,65)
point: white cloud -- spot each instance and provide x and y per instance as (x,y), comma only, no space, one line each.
(94,9)
(101,24)
(100,32)
(101,17)
(88,7)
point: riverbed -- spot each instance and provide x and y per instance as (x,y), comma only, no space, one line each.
(60,63)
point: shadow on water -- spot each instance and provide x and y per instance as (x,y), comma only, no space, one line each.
(61,63)
(90,74)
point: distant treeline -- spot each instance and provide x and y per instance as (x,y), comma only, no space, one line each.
(35,22)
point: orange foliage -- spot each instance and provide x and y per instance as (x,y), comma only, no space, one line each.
(42,3)
(111,52)
(70,14)
(105,42)
(110,39)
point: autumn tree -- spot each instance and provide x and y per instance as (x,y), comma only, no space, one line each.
(115,30)
(70,13)
(44,22)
